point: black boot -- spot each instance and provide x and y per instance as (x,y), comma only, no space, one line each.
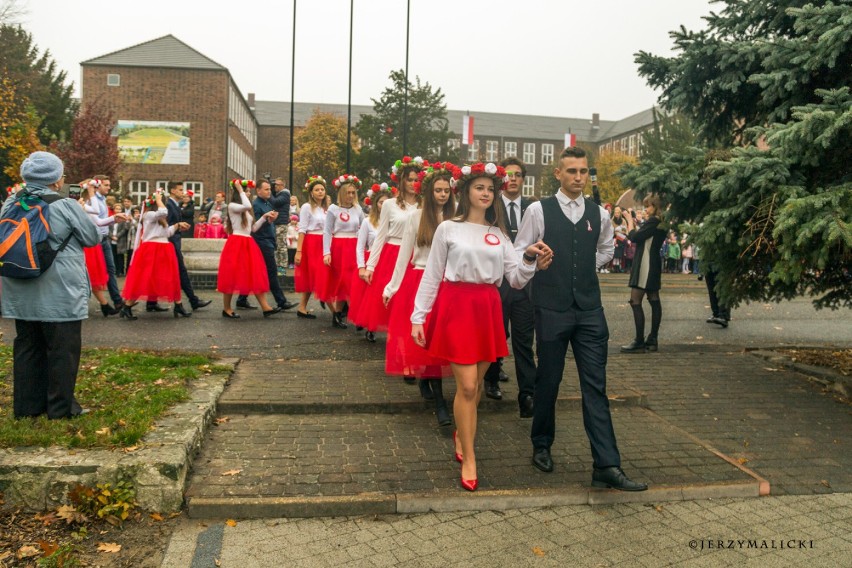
(108,310)
(337,320)
(635,346)
(371,337)
(442,413)
(179,311)
(651,342)
(425,389)
(127,312)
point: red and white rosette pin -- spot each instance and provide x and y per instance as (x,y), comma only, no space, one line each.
(344,216)
(492,239)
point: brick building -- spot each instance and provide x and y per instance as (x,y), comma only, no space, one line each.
(165,88)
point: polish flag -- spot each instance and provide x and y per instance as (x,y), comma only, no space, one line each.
(570,140)
(467,130)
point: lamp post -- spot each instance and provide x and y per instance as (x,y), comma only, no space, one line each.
(292,96)
(349,104)
(405,97)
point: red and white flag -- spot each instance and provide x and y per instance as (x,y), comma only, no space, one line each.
(570,140)
(467,130)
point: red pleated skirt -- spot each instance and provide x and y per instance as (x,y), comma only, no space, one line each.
(403,356)
(343,263)
(153,274)
(96,266)
(357,288)
(465,325)
(311,275)
(241,268)
(374,315)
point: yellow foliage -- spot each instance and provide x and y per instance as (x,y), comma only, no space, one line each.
(320,147)
(608,163)
(18,128)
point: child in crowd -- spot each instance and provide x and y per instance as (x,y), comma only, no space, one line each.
(292,237)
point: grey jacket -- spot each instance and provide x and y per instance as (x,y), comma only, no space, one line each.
(62,292)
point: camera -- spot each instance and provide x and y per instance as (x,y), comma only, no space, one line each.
(74,191)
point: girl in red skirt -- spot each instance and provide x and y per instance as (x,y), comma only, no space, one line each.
(242,270)
(385,249)
(95,261)
(153,273)
(340,238)
(311,274)
(376,198)
(402,355)
(469,258)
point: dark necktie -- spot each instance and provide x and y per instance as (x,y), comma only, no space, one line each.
(513,219)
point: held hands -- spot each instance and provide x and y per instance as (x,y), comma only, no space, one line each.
(183,226)
(542,253)
(326,260)
(271,216)
(417,334)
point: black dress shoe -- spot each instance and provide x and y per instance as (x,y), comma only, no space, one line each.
(80,412)
(371,337)
(443,416)
(425,389)
(179,311)
(306,315)
(155,308)
(337,321)
(651,343)
(719,321)
(615,478)
(409,380)
(201,304)
(108,310)
(231,315)
(245,306)
(288,305)
(127,312)
(541,460)
(272,312)
(635,346)
(503,377)
(492,390)
(526,405)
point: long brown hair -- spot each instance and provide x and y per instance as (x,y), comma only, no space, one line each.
(247,215)
(403,179)
(429,217)
(326,201)
(493,215)
(375,210)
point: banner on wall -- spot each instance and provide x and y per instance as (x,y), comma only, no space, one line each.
(153,142)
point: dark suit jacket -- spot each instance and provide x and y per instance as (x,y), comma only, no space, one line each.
(505,289)
(174,216)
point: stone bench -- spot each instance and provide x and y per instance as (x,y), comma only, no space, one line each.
(201,257)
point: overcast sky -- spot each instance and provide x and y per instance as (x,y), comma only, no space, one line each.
(545,57)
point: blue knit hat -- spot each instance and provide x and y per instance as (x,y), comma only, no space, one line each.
(42,168)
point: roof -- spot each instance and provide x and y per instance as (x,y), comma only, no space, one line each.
(277,113)
(633,122)
(167,51)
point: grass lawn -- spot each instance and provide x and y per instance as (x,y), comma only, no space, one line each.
(126,391)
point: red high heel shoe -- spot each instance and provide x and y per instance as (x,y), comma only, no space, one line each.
(459,457)
(470,484)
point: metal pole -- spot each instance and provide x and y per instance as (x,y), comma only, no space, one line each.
(292,98)
(405,98)
(349,104)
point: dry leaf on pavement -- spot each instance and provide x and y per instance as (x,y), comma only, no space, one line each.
(537,551)
(111,547)
(231,523)
(157,516)
(27,552)
(232,472)
(70,515)
(825,482)
(222,420)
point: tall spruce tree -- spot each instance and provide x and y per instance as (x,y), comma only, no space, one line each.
(772,80)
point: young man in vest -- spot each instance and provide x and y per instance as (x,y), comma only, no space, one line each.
(568,309)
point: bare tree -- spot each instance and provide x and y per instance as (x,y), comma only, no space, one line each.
(12,12)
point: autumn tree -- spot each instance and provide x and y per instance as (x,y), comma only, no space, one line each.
(609,184)
(770,79)
(35,76)
(381,133)
(92,149)
(320,148)
(18,125)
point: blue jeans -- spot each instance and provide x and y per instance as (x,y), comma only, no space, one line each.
(112,283)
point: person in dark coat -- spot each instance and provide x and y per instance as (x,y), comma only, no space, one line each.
(645,275)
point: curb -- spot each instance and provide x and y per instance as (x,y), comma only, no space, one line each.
(828,377)
(40,478)
(456,501)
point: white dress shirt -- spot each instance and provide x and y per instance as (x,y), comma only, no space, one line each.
(391,227)
(532,227)
(341,220)
(311,218)
(235,213)
(409,253)
(366,236)
(152,231)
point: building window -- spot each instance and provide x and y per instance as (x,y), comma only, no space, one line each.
(138,190)
(491,147)
(546,154)
(162,184)
(473,151)
(529,152)
(510,150)
(113,80)
(631,148)
(197,189)
(454,144)
(528,189)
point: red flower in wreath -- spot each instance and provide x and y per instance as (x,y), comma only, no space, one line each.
(477,168)
(394,177)
(406,159)
(417,185)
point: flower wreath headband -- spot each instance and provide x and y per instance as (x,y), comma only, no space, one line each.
(313,180)
(151,201)
(347,178)
(406,162)
(431,171)
(244,183)
(490,170)
(377,191)
(96,183)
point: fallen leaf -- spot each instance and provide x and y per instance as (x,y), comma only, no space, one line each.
(157,516)
(779,328)
(122,423)
(222,420)
(111,547)
(770,369)
(232,472)
(5,555)
(742,461)
(27,552)
(70,515)
(231,523)
(699,337)
(705,395)
(159,382)
(658,508)
(47,519)
(217,562)
(825,482)
(47,548)
(103,431)
(537,551)
(130,449)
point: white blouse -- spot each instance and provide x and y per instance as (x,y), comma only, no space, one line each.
(366,236)
(93,215)
(409,252)
(391,226)
(235,213)
(460,253)
(152,231)
(311,219)
(340,220)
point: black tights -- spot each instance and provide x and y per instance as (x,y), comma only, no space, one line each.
(636,295)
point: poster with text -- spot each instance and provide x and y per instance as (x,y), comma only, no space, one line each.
(153,142)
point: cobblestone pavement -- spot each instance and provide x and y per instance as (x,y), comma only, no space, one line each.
(811,530)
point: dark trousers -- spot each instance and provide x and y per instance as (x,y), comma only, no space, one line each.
(719,310)
(112,283)
(46,360)
(185,284)
(518,312)
(587,332)
(268,252)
